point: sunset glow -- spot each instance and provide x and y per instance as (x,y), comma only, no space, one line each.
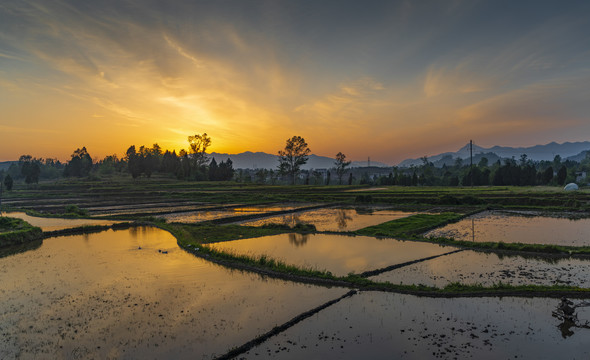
(389,80)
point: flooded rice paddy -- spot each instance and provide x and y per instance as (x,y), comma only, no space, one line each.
(333,219)
(526,228)
(52,224)
(470,267)
(339,254)
(374,325)
(134,294)
(208,215)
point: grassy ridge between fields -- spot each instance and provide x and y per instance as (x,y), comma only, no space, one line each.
(194,238)
(413,226)
(16,231)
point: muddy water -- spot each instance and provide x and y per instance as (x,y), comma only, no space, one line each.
(338,254)
(391,326)
(198,216)
(52,224)
(115,294)
(335,219)
(509,228)
(469,267)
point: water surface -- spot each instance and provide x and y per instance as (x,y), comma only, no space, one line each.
(523,228)
(204,215)
(118,294)
(339,254)
(470,267)
(332,219)
(52,224)
(375,325)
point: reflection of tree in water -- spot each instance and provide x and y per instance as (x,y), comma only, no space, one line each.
(298,239)
(566,313)
(364,211)
(134,231)
(21,248)
(293,220)
(342,218)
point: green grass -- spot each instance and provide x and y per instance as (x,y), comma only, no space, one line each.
(520,247)
(202,233)
(411,225)
(195,238)
(17,231)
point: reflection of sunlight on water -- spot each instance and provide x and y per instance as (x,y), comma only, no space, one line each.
(103,284)
(470,267)
(52,224)
(336,253)
(334,219)
(490,226)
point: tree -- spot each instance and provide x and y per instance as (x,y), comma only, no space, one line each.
(547,175)
(133,162)
(293,157)
(8,182)
(80,164)
(213,170)
(226,170)
(561,175)
(198,145)
(483,162)
(29,168)
(341,165)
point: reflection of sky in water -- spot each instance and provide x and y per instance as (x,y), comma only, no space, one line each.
(336,253)
(334,219)
(52,224)
(377,325)
(198,216)
(470,267)
(495,226)
(101,296)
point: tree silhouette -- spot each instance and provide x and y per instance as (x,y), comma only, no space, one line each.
(341,165)
(29,168)
(561,175)
(80,164)
(198,145)
(293,157)
(8,182)
(133,162)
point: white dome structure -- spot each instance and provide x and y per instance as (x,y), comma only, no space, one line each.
(571,187)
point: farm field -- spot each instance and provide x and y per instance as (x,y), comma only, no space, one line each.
(248,285)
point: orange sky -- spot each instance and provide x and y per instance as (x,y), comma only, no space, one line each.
(388,80)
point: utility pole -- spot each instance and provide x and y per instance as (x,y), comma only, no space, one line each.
(369,161)
(1,183)
(471,160)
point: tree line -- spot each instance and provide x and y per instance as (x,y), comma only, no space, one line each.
(195,164)
(506,172)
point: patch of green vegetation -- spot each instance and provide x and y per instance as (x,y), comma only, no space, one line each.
(194,239)
(17,231)
(532,248)
(411,225)
(75,211)
(457,287)
(203,233)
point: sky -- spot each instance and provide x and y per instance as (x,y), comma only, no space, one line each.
(388,80)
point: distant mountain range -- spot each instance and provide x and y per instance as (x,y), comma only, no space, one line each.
(261,160)
(575,151)
(568,150)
